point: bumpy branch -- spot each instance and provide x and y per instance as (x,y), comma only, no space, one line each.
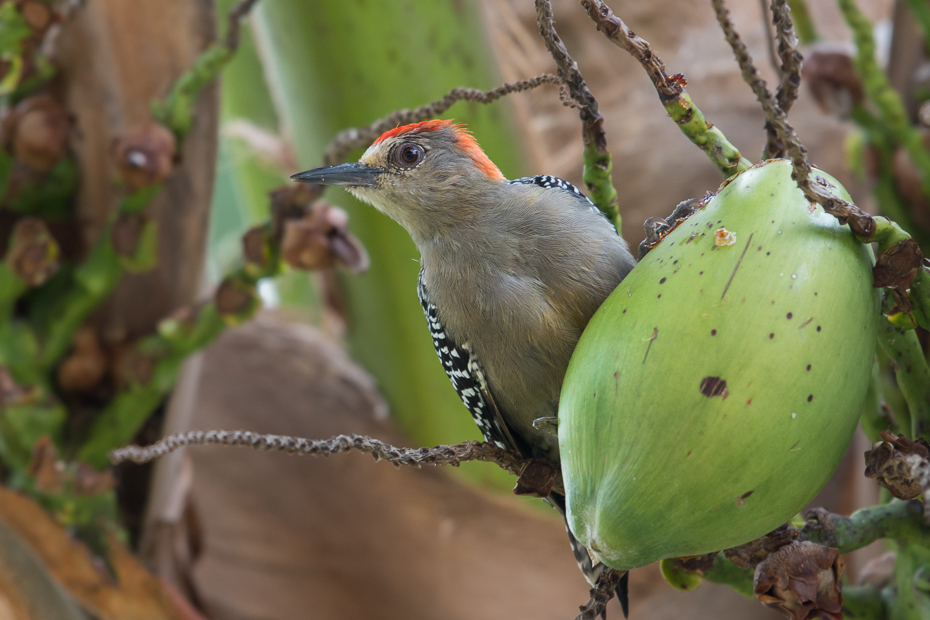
(177,110)
(671,91)
(597,162)
(791,59)
(235,17)
(790,71)
(898,519)
(861,223)
(357,137)
(413,457)
(601,594)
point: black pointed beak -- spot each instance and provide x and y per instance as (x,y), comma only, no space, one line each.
(342,175)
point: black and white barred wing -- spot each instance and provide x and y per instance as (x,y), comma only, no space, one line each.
(550,182)
(467,376)
(468,379)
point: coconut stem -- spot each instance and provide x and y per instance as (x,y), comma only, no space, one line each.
(912,373)
(896,519)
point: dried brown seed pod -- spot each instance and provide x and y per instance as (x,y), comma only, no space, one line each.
(145,156)
(33,253)
(234,298)
(833,80)
(899,464)
(321,239)
(86,366)
(802,580)
(36,132)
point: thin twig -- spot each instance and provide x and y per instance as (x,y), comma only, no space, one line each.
(358,137)
(601,594)
(791,58)
(235,17)
(789,70)
(619,33)
(861,223)
(674,98)
(593,122)
(597,160)
(769,37)
(413,457)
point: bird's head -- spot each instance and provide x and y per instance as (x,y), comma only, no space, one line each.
(425,176)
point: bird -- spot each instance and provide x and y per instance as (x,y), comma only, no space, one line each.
(511,271)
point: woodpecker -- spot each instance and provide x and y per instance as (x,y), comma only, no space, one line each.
(511,272)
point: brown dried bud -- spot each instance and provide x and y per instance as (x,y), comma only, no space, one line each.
(126,232)
(321,239)
(33,252)
(897,265)
(802,580)
(752,553)
(900,465)
(85,367)
(145,156)
(37,15)
(235,299)
(833,81)
(36,132)
(44,466)
(293,201)
(255,246)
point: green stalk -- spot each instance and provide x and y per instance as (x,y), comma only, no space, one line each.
(896,519)
(912,373)
(177,110)
(874,420)
(600,185)
(863,603)
(727,573)
(920,297)
(93,282)
(174,342)
(803,24)
(129,409)
(706,135)
(879,89)
(910,577)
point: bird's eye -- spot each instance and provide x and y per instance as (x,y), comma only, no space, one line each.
(408,155)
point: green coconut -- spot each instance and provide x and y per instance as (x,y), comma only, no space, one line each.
(716,390)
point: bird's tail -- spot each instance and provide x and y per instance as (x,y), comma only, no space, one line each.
(590,568)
